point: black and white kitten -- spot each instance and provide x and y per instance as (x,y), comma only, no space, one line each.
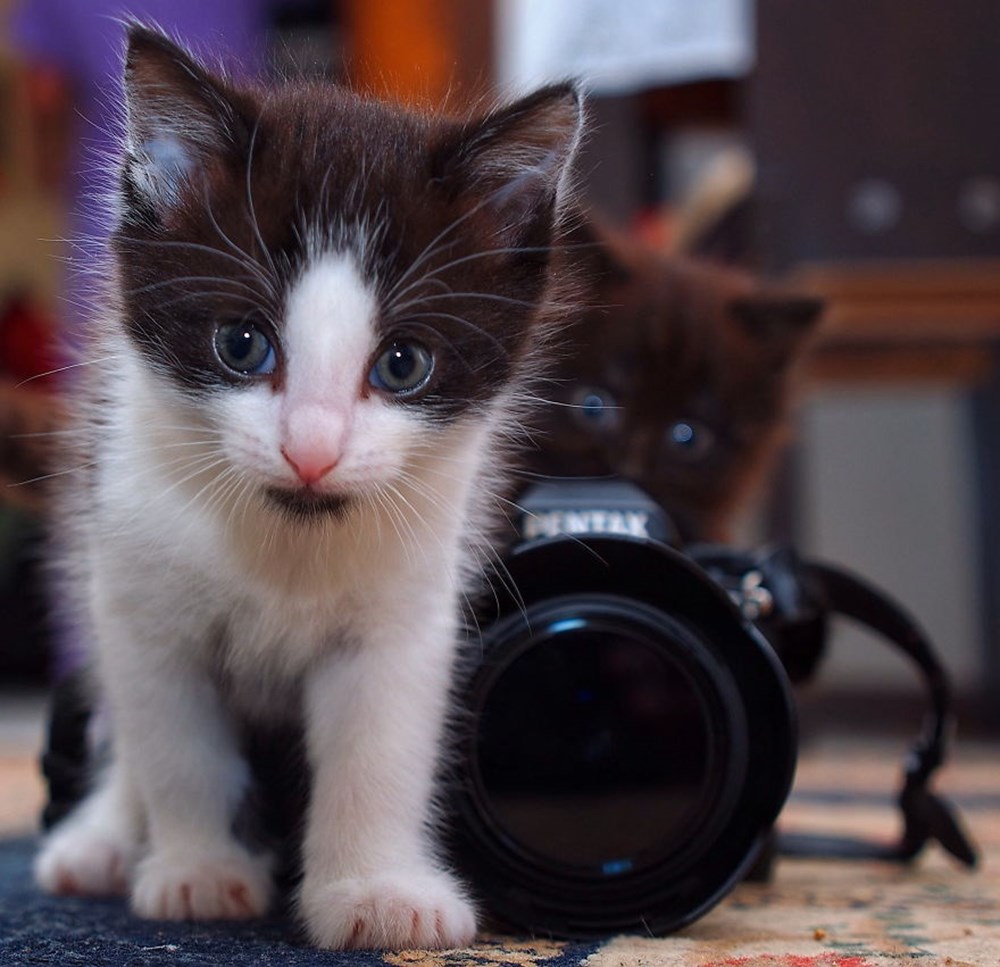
(326,311)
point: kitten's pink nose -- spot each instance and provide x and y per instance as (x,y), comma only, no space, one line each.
(310,465)
(313,439)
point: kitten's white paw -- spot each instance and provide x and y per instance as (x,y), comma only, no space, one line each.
(79,860)
(200,886)
(389,911)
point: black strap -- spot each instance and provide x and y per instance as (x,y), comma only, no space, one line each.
(926,816)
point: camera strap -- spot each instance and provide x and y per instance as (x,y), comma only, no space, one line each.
(789,599)
(926,815)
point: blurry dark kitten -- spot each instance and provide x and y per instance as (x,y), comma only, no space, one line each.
(675,377)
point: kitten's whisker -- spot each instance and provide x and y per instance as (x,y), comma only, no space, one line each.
(216,487)
(63,369)
(424,491)
(255,303)
(269,282)
(72,434)
(544,401)
(243,260)
(531,475)
(185,428)
(416,283)
(192,522)
(391,513)
(507,582)
(215,480)
(226,494)
(465,322)
(184,279)
(432,249)
(566,534)
(203,464)
(486,296)
(176,459)
(254,224)
(245,496)
(411,545)
(323,200)
(371,513)
(486,253)
(51,476)
(420,518)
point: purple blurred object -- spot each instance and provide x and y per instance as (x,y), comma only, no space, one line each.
(85,41)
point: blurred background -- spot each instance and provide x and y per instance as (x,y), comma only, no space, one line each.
(849,149)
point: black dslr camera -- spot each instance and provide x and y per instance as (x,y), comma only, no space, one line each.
(632,733)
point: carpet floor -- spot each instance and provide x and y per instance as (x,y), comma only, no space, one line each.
(812,914)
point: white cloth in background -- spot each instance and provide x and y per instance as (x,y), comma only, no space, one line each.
(621,46)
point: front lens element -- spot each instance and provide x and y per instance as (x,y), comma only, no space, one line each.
(596,750)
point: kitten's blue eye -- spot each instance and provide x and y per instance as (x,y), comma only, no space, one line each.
(593,406)
(245,349)
(682,434)
(690,439)
(596,409)
(402,368)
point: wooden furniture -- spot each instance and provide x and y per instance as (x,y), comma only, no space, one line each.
(934,321)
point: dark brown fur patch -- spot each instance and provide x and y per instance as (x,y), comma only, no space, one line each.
(670,341)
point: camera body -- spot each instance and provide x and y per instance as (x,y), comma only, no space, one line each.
(633,733)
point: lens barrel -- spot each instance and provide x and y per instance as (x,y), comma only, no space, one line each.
(631,740)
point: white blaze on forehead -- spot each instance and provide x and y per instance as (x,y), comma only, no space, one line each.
(329,332)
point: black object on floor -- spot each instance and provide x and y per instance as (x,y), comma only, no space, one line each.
(36,929)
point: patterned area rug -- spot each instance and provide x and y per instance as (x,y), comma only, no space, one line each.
(813,913)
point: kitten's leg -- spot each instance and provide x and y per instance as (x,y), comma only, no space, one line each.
(374,723)
(94,850)
(172,735)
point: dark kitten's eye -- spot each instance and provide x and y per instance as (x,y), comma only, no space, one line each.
(402,368)
(596,409)
(689,440)
(245,349)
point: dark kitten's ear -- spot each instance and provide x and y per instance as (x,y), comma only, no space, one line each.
(517,159)
(178,117)
(779,322)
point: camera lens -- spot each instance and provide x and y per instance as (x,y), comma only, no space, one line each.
(600,751)
(629,741)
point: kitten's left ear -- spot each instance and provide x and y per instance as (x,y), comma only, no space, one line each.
(780,322)
(517,160)
(179,117)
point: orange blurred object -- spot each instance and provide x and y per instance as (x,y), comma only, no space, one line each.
(420,52)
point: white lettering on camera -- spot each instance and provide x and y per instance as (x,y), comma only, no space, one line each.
(552,523)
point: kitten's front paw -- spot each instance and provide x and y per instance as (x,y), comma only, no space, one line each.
(200,886)
(389,911)
(80,861)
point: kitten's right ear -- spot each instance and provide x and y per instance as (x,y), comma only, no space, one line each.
(517,159)
(178,117)
(779,322)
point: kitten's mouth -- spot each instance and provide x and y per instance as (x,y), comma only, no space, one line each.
(307,504)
